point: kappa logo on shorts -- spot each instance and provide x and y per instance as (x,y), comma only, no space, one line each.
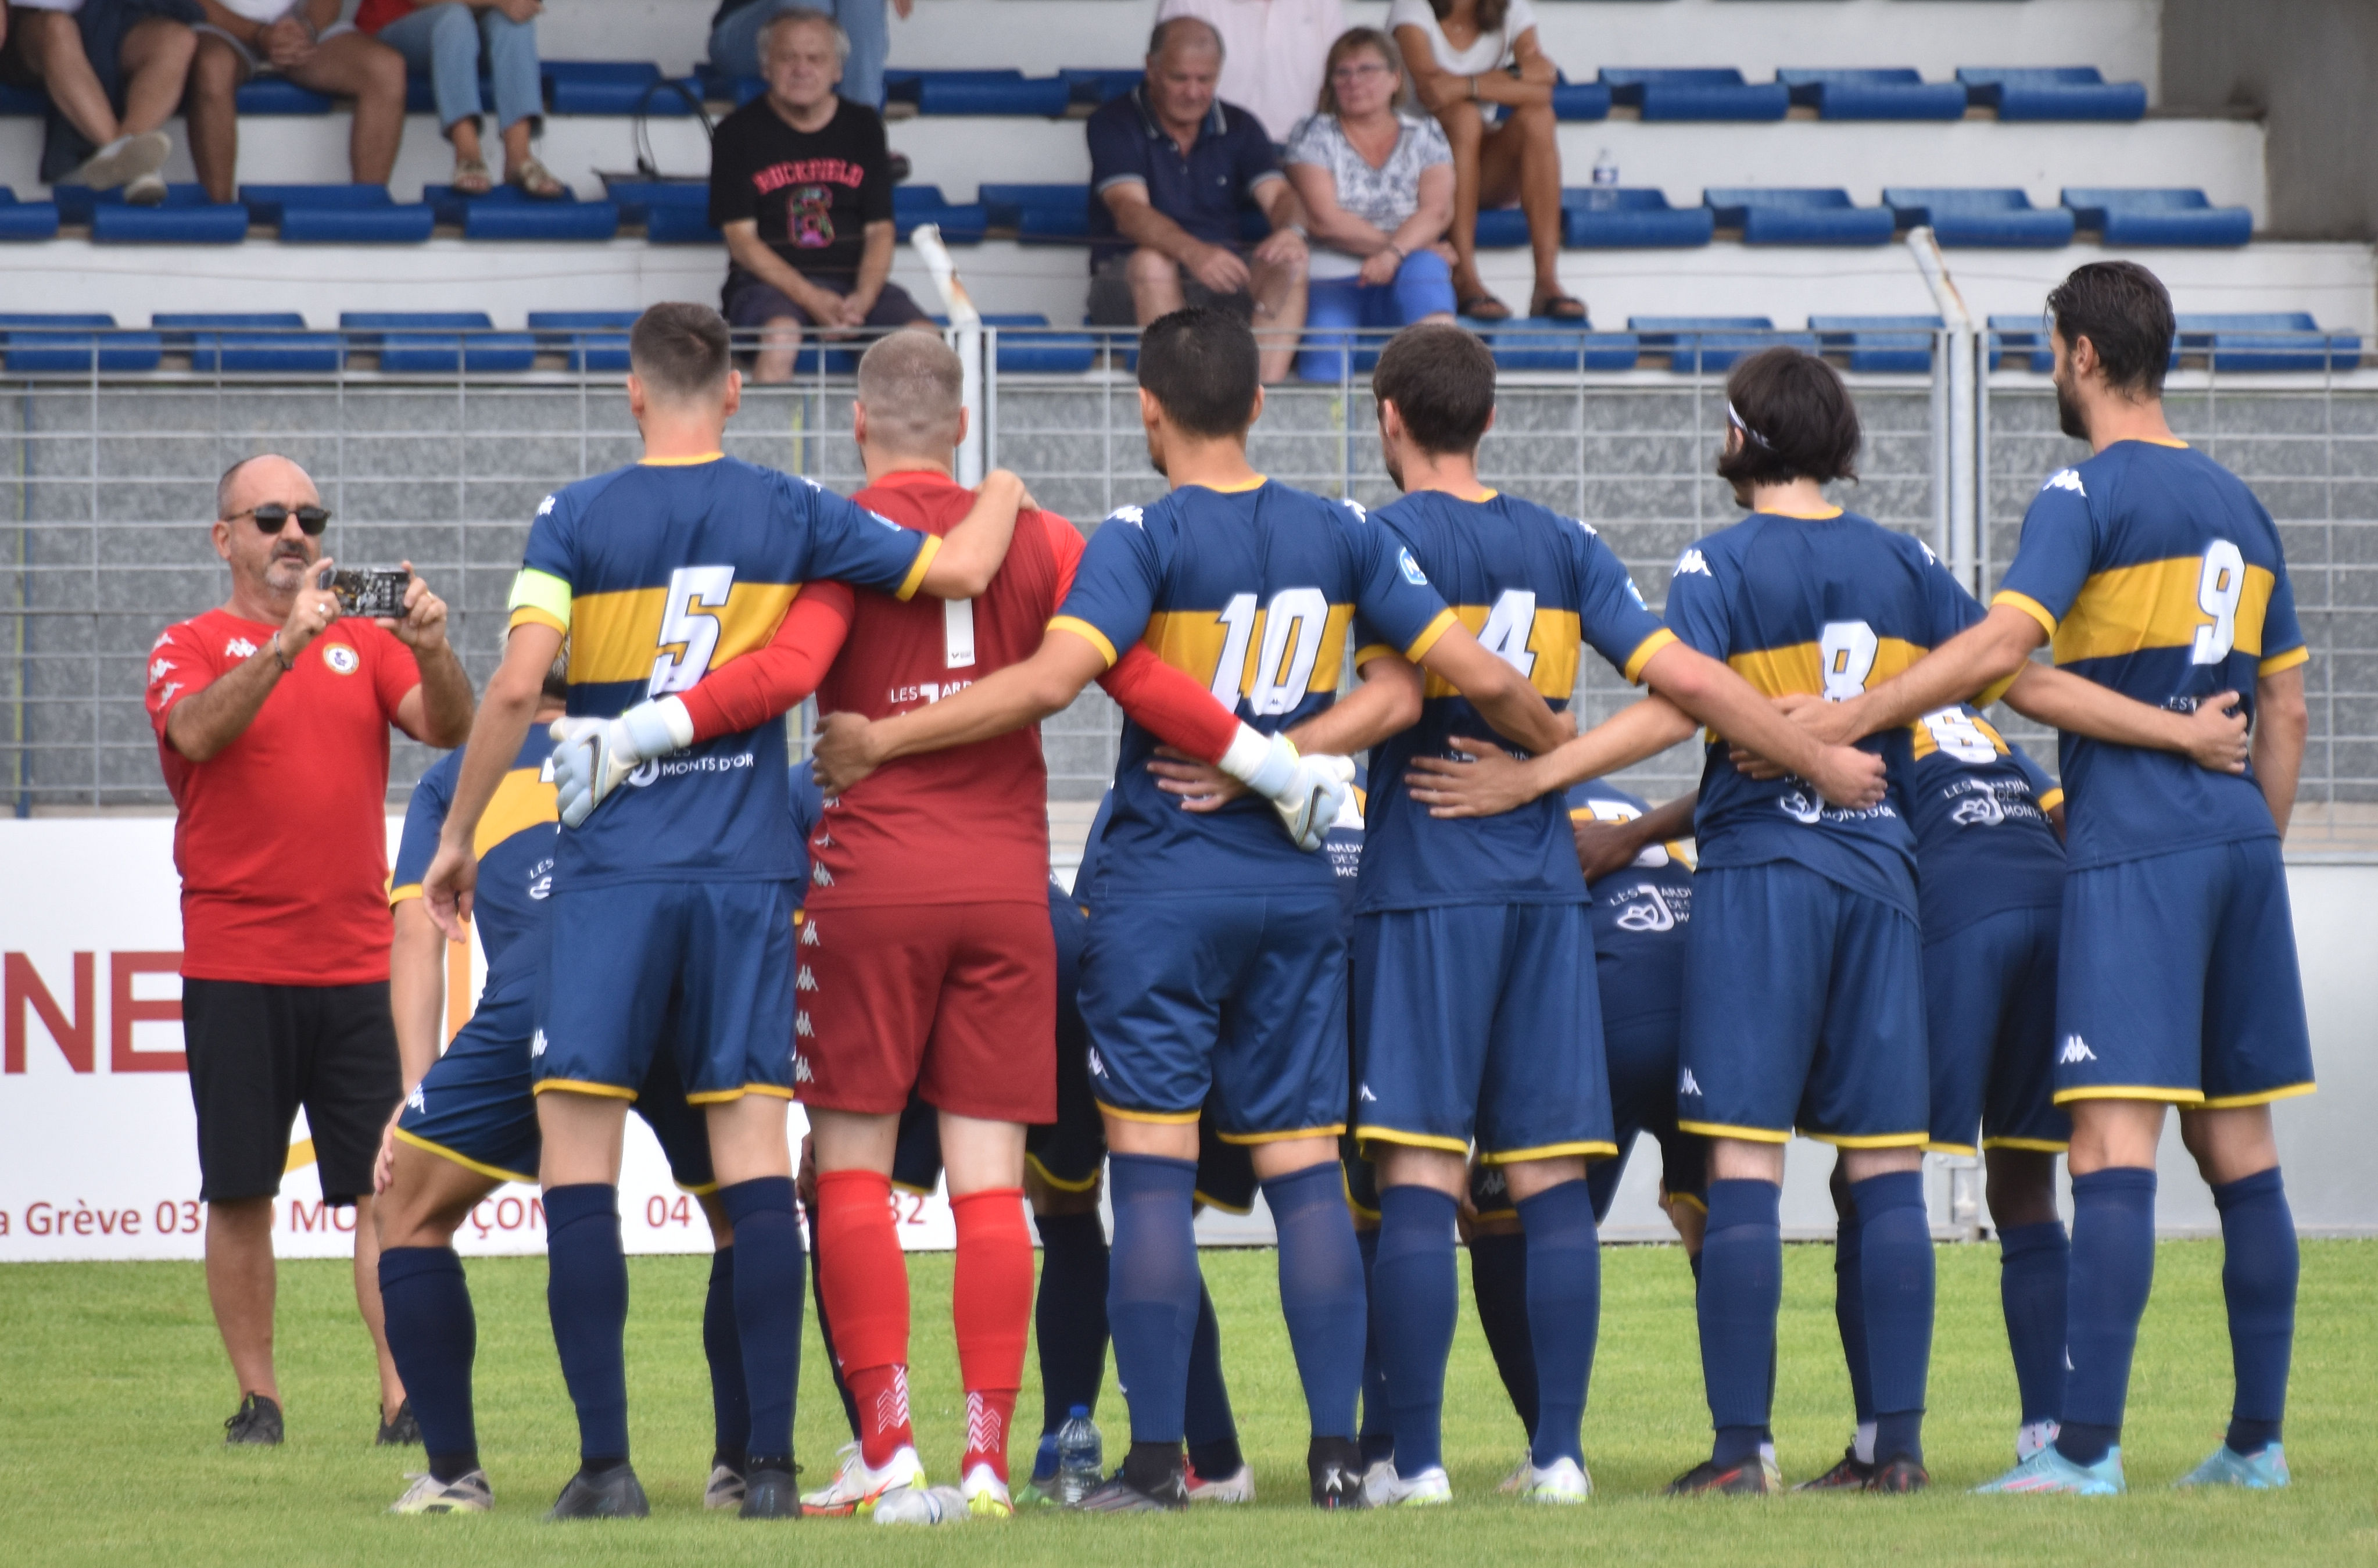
(803,1028)
(819,875)
(1364,1093)
(1685,1084)
(805,981)
(801,1073)
(537,1044)
(2076,1051)
(810,931)
(418,1101)
(1098,1064)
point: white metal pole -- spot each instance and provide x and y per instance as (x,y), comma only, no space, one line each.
(965,335)
(1962,378)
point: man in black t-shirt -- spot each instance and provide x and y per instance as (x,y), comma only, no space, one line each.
(800,181)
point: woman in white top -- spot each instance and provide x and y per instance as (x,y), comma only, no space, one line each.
(1377,189)
(1476,66)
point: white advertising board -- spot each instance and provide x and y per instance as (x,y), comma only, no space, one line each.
(98,1141)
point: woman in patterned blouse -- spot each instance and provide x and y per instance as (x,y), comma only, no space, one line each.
(1377,188)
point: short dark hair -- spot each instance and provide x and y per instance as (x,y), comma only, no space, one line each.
(679,350)
(2125,312)
(1441,380)
(1796,418)
(1200,364)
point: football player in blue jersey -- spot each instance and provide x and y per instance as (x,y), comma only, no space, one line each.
(681,893)
(1216,961)
(2154,572)
(1473,1019)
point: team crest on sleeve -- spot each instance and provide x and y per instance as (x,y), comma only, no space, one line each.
(2066,479)
(544,506)
(1136,517)
(1693,560)
(1412,573)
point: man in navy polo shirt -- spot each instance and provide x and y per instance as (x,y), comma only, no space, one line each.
(1172,170)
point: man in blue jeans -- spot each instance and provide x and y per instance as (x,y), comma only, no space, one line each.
(735,39)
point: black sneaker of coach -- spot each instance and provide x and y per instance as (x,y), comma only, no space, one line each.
(1334,1466)
(614,1494)
(768,1494)
(1851,1474)
(1753,1477)
(1152,1479)
(399,1430)
(1901,1474)
(258,1421)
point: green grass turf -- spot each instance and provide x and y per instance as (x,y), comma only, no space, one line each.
(112,1384)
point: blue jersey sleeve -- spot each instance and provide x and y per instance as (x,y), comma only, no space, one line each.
(1115,586)
(808,801)
(425,818)
(2058,548)
(1610,612)
(1392,595)
(548,567)
(2283,638)
(2042,786)
(853,545)
(1698,611)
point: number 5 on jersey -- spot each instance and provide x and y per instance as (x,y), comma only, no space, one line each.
(688,624)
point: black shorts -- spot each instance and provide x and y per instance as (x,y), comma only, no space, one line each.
(258,1052)
(1112,304)
(746,302)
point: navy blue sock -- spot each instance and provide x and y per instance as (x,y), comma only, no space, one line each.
(433,1335)
(1377,1435)
(721,1347)
(2113,1269)
(768,1258)
(1742,1287)
(1564,1313)
(586,1294)
(1206,1420)
(1849,1308)
(2259,1265)
(1152,1288)
(1321,1292)
(1895,1248)
(825,1334)
(1418,1296)
(2034,1261)
(1499,1283)
(1069,1316)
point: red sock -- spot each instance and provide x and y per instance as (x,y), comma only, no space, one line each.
(991,1303)
(865,1281)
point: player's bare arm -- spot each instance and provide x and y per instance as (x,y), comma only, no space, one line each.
(1607,847)
(2213,735)
(848,748)
(1709,691)
(1489,781)
(1502,696)
(511,703)
(205,722)
(970,553)
(417,996)
(2281,721)
(1389,699)
(1983,655)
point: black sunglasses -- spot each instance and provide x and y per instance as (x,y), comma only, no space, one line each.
(272,517)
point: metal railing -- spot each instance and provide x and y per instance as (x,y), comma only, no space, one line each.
(109,478)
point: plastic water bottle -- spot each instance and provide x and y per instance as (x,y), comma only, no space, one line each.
(1606,181)
(1081,1457)
(920,1505)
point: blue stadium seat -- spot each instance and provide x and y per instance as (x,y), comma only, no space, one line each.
(979,92)
(1543,343)
(1983,217)
(78,203)
(1799,217)
(1700,92)
(1606,217)
(508,213)
(279,95)
(1096,84)
(1040,352)
(717,87)
(636,199)
(595,340)
(1712,342)
(613,87)
(2019,341)
(1581,100)
(1879,343)
(70,343)
(437,342)
(269,204)
(2268,341)
(1039,214)
(27,219)
(914,204)
(23,102)
(2052,93)
(1890,93)
(675,224)
(200,223)
(1502,228)
(274,340)
(2158,217)
(337,215)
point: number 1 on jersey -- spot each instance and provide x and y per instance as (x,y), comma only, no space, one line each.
(692,591)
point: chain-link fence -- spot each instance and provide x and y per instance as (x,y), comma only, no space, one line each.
(109,481)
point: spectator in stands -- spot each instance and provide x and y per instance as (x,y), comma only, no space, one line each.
(114,71)
(735,39)
(452,39)
(1476,66)
(271,716)
(802,183)
(1376,183)
(1173,167)
(1273,53)
(306,41)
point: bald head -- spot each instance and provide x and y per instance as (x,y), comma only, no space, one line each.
(912,388)
(271,565)
(1178,35)
(252,481)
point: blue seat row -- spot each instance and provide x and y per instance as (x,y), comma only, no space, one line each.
(2248,341)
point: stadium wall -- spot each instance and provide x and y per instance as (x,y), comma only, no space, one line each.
(2305,68)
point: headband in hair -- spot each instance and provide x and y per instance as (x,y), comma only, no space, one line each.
(1753,437)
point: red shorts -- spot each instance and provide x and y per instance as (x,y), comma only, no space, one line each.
(958,1002)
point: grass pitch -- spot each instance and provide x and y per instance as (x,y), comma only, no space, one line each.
(113,1387)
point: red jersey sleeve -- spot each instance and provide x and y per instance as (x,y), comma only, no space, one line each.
(1066,542)
(179,666)
(1179,711)
(772,680)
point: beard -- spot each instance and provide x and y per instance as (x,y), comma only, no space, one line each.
(286,570)
(1156,458)
(2068,416)
(1395,469)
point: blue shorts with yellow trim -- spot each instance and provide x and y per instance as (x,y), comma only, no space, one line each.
(476,1106)
(1481,1021)
(1069,1151)
(1641,1051)
(715,957)
(1242,996)
(1990,1003)
(2177,980)
(1804,1009)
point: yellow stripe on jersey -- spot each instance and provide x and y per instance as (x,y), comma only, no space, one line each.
(544,597)
(1193,641)
(2153,605)
(1776,672)
(1551,652)
(1087,633)
(2053,799)
(523,798)
(2287,661)
(1928,741)
(2028,605)
(1644,653)
(618,635)
(917,567)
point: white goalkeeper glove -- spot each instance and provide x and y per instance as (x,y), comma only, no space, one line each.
(592,755)
(1308,792)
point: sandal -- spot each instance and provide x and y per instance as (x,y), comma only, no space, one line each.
(471,177)
(1484,307)
(1559,307)
(536,182)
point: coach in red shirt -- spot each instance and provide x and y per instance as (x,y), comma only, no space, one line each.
(271,716)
